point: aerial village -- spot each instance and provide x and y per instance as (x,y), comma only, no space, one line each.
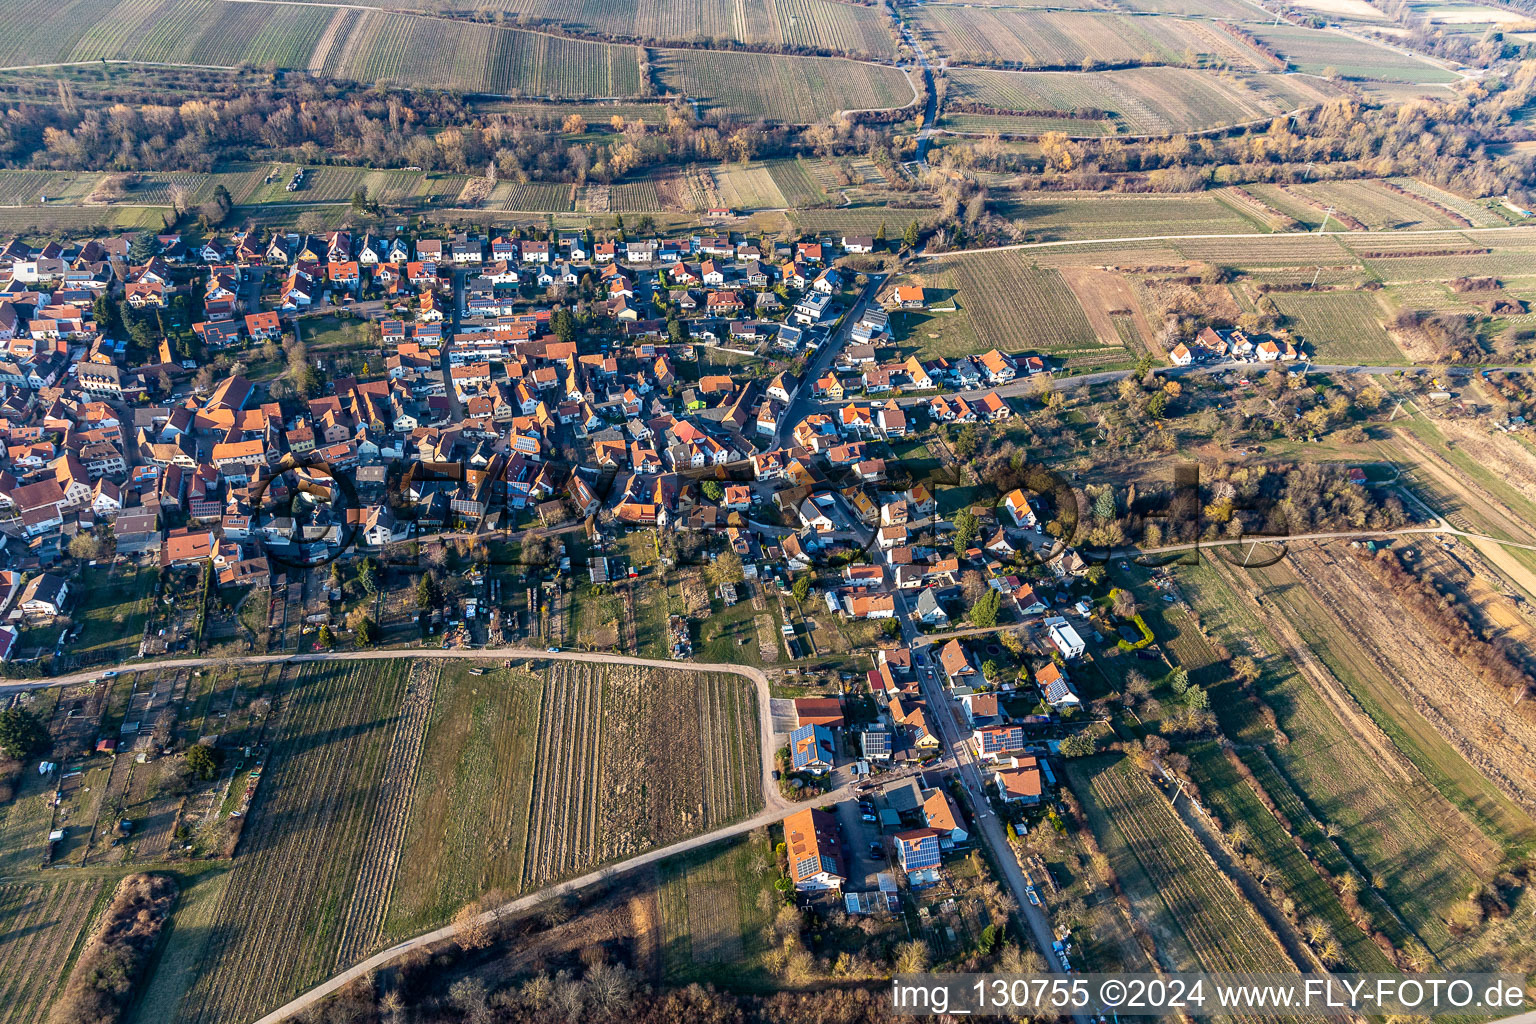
(733,401)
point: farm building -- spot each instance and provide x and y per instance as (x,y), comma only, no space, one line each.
(827,711)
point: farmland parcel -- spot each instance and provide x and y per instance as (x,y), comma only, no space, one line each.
(394,796)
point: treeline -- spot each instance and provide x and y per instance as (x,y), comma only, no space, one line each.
(1451,337)
(606,994)
(317,122)
(102,985)
(1440,141)
(1424,36)
(577,30)
(1494,662)
(963,106)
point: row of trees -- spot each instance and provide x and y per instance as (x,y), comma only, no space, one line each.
(321,122)
(1443,141)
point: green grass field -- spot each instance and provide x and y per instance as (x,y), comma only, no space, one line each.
(1200,923)
(465,836)
(1234,800)
(1375,206)
(714,925)
(44,926)
(1399,834)
(796,182)
(1315,52)
(111,608)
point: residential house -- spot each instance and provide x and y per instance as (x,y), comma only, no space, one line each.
(814,853)
(1018,780)
(1064,637)
(998,741)
(917,851)
(941,814)
(811,749)
(929,611)
(957,665)
(45,594)
(1056,688)
(825,711)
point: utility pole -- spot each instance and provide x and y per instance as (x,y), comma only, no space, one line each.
(1324,224)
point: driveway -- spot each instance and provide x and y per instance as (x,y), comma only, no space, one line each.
(857,835)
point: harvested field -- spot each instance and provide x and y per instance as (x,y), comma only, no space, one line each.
(1069,39)
(278,925)
(1140,101)
(793,90)
(1196,913)
(41,927)
(1340,327)
(1107,298)
(1017,306)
